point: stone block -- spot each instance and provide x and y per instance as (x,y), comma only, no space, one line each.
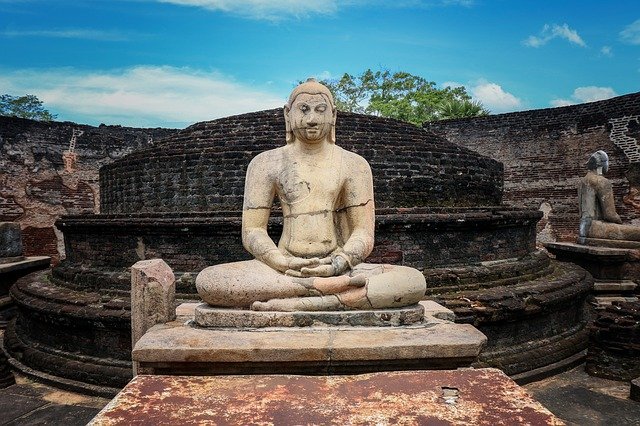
(152,296)
(10,239)
(179,348)
(208,316)
(469,396)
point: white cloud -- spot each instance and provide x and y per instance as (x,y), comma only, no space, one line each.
(141,96)
(494,97)
(631,33)
(561,102)
(272,10)
(77,33)
(549,32)
(606,51)
(277,10)
(585,94)
(451,84)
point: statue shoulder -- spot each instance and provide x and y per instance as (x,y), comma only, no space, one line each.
(353,161)
(267,161)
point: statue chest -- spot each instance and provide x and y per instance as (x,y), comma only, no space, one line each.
(305,187)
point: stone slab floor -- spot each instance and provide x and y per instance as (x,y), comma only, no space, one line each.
(574,396)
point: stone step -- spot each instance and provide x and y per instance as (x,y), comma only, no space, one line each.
(614,286)
(604,301)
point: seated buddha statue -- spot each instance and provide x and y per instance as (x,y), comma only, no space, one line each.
(598,216)
(326,195)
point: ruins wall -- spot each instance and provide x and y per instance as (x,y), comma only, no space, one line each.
(35,188)
(545,152)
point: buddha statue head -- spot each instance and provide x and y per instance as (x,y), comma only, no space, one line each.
(310,113)
(598,159)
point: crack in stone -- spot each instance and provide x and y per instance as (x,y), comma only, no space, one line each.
(317,212)
(258,208)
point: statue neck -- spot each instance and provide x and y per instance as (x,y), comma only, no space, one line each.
(599,171)
(312,149)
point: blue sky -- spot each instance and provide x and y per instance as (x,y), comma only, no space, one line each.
(171,63)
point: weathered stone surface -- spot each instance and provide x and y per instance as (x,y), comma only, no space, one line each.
(208,316)
(10,239)
(634,391)
(152,296)
(6,376)
(175,347)
(35,188)
(436,310)
(601,242)
(614,342)
(604,263)
(474,397)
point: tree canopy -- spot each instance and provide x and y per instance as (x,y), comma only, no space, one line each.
(402,96)
(27,106)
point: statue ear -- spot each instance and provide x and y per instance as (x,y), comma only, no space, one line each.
(287,125)
(333,126)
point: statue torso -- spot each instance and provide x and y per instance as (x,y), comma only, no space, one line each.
(309,191)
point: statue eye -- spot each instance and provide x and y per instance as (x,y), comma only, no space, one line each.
(321,108)
(304,108)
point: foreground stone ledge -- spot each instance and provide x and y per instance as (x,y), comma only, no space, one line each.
(180,348)
(470,397)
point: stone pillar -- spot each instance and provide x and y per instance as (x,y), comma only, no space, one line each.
(10,240)
(153,294)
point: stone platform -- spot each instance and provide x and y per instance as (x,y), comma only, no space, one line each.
(182,348)
(605,263)
(615,266)
(474,397)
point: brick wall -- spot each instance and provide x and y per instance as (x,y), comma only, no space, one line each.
(202,168)
(34,187)
(545,151)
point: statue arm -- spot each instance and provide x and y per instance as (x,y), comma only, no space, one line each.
(360,214)
(259,192)
(605,195)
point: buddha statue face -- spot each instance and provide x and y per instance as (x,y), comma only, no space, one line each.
(311,118)
(310,114)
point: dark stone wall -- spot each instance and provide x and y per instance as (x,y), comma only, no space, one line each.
(101,248)
(614,342)
(202,168)
(34,187)
(545,151)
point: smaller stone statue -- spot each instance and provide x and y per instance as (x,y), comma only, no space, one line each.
(598,217)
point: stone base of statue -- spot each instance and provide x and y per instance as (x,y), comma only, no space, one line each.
(205,340)
(614,264)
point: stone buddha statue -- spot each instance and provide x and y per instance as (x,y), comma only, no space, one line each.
(598,217)
(326,194)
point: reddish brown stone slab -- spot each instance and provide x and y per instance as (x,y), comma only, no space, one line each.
(460,397)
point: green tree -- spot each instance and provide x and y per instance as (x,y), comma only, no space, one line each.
(397,95)
(461,109)
(28,106)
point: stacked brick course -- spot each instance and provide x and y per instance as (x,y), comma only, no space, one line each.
(614,349)
(202,168)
